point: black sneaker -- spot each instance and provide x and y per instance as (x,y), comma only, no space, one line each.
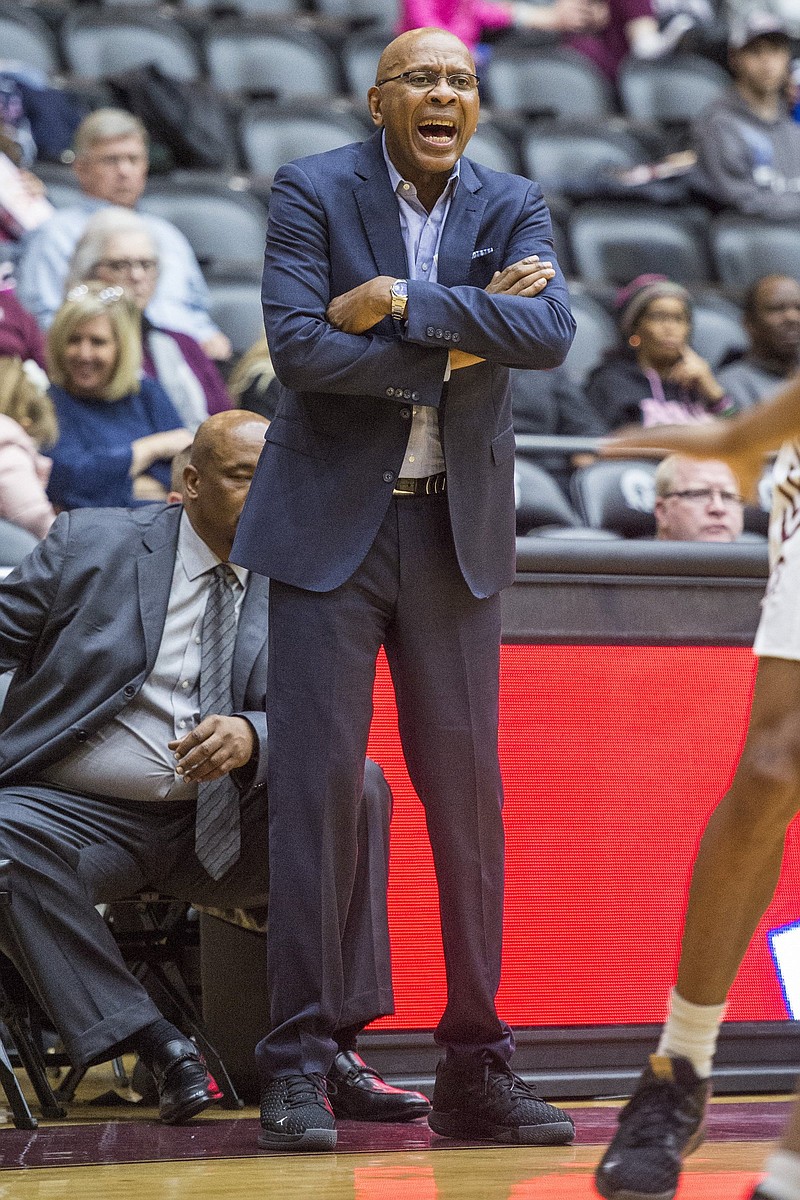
(296,1114)
(487,1101)
(760,1194)
(659,1126)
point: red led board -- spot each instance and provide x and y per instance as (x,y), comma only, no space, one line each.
(612,758)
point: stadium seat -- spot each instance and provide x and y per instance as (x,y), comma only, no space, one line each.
(250,56)
(224,227)
(360,54)
(236,309)
(492,147)
(551,83)
(618,496)
(745,249)
(99,43)
(385,12)
(717,328)
(539,500)
(671,90)
(557,154)
(615,242)
(250,8)
(596,332)
(25,38)
(271,135)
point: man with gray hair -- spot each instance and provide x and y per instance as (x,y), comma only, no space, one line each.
(697,501)
(111,168)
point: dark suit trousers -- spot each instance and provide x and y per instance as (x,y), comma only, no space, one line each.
(71,852)
(442,646)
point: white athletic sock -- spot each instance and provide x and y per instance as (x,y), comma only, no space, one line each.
(691,1030)
(782,1180)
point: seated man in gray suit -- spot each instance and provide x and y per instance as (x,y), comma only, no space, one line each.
(133,755)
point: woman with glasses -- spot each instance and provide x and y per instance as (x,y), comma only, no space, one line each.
(118,431)
(655,377)
(117,248)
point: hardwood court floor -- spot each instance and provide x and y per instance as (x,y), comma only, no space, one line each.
(216,1158)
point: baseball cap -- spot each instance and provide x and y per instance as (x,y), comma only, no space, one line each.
(753,26)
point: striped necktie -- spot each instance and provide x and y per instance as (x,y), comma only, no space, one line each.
(217,827)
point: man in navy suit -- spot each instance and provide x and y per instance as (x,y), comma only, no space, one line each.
(401,283)
(102,755)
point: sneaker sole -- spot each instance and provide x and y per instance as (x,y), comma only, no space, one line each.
(626,1194)
(453,1125)
(190,1108)
(310,1139)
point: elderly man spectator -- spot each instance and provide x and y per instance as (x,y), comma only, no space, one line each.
(748,146)
(134,756)
(111,167)
(772,321)
(697,501)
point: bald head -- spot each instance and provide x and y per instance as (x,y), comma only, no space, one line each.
(410,43)
(217,478)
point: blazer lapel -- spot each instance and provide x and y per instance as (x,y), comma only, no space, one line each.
(461,228)
(154,569)
(376,202)
(251,635)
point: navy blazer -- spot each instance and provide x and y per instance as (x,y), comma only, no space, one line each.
(81,621)
(332,453)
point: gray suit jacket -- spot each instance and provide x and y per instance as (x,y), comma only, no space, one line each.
(80,624)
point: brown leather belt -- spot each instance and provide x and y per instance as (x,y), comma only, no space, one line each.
(427,485)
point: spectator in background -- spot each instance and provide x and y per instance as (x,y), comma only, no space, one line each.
(787,12)
(469,19)
(623,27)
(27,424)
(118,433)
(253,383)
(697,501)
(772,321)
(655,378)
(118,248)
(748,145)
(111,148)
(550,402)
(20,336)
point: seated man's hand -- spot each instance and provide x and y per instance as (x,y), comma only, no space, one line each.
(362,307)
(213,748)
(524,278)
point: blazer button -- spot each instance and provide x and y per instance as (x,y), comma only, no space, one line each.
(456,337)
(81,735)
(430,331)
(439,333)
(388,476)
(390,391)
(415,395)
(405,413)
(129,691)
(447,335)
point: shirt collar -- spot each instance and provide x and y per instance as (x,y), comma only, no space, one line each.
(197,558)
(397,179)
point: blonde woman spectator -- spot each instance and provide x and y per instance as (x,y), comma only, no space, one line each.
(119,432)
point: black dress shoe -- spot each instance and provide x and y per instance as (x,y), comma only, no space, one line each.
(184,1085)
(358,1093)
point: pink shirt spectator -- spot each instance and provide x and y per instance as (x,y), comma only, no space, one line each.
(609,46)
(24,473)
(465,18)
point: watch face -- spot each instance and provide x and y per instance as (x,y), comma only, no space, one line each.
(400,288)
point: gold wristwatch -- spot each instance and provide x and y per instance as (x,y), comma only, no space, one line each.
(399,299)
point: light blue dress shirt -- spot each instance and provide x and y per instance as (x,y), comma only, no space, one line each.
(422,235)
(181,298)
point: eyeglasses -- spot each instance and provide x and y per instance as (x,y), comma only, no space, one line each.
(705,495)
(107,296)
(425,81)
(126,266)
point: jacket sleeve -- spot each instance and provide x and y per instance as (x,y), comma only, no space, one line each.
(28,595)
(512,331)
(308,353)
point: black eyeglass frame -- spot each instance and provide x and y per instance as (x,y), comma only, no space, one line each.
(405,76)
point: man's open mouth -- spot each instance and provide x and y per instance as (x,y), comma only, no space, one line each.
(437,133)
